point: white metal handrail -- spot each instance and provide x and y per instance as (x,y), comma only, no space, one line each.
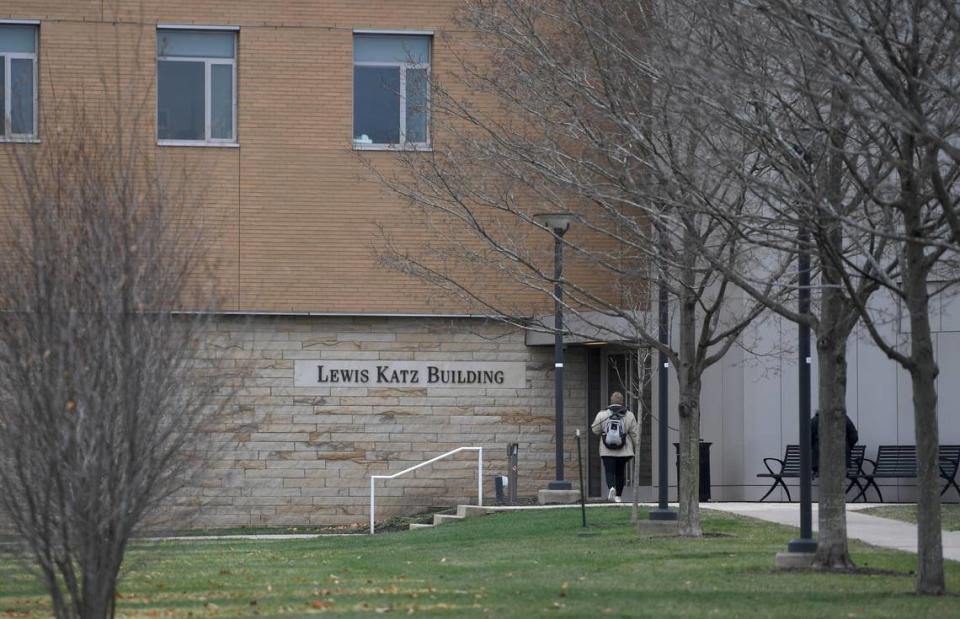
(374,478)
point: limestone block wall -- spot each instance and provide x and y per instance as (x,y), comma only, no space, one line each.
(298,455)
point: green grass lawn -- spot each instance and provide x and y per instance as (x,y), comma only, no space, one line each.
(520,564)
(950,513)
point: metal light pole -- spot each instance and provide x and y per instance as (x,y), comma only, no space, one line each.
(559,223)
(663,511)
(805,543)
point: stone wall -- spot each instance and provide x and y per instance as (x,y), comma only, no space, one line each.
(295,455)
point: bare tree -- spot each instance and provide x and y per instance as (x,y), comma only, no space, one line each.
(562,114)
(104,394)
(893,72)
(854,108)
(762,84)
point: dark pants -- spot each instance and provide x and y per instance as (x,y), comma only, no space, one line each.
(615,470)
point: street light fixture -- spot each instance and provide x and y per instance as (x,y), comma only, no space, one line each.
(558,223)
(805,543)
(663,511)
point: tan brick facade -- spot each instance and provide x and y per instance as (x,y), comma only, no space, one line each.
(293,213)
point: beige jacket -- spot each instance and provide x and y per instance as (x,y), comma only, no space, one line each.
(631,426)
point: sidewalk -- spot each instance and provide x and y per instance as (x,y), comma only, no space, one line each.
(881,532)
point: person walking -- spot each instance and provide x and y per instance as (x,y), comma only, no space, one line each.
(619,432)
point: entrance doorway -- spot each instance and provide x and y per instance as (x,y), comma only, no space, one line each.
(628,371)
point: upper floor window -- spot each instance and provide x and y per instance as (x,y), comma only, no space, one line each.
(391,90)
(18,81)
(196,86)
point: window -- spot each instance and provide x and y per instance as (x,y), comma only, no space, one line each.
(391,90)
(196,86)
(18,81)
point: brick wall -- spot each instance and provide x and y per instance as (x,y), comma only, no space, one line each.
(294,214)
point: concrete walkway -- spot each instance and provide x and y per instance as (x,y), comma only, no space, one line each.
(881,532)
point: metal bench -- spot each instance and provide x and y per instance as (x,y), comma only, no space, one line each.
(949,463)
(789,467)
(900,462)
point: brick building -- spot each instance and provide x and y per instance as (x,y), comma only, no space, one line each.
(273,103)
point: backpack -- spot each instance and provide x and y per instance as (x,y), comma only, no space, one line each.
(614,432)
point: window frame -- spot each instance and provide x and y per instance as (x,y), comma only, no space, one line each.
(403,66)
(208,63)
(8,57)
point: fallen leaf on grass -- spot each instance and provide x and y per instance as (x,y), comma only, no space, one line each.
(322,604)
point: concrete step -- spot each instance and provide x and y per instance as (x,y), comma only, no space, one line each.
(441,518)
(420,525)
(472,511)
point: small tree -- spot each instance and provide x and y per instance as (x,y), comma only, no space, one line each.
(103,397)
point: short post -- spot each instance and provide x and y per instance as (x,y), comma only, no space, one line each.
(372,508)
(480,476)
(583,501)
(513,453)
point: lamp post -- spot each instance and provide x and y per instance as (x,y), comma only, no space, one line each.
(805,543)
(663,511)
(559,223)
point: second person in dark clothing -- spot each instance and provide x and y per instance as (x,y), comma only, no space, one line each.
(852,437)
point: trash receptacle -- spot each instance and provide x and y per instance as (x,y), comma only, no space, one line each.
(704,469)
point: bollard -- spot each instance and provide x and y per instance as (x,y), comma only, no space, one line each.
(513,452)
(583,499)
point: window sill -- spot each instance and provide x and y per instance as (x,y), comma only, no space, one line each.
(393,147)
(198,143)
(16,140)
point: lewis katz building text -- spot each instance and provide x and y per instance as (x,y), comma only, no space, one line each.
(334,373)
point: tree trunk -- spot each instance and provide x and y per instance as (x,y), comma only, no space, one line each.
(98,595)
(930,578)
(838,316)
(688,378)
(832,550)
(688,486)
(923,374)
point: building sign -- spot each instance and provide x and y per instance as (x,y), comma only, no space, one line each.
(445,374)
